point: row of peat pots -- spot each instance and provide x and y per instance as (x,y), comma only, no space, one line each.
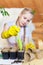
(12,54)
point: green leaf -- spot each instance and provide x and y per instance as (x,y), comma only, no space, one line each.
(19,41)
(1,11)
(4,12)
(33,12)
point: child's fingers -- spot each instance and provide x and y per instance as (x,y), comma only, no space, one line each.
(21,24)
(13,30)
(24,23)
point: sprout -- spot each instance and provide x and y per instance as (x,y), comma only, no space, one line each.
(33,12)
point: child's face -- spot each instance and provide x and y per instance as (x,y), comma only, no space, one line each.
(25,19)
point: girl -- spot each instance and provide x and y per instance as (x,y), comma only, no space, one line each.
(27,27)
(24,21)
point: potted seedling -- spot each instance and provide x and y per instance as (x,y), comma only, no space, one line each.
(13,52)
(5,53)
(20,53)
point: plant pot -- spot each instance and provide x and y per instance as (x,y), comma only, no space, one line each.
(13,54)
(20,55)
(5,53)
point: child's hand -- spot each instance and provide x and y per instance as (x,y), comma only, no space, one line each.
(13,30)
(5,35)
(22,24)
(30,46)
(5,27)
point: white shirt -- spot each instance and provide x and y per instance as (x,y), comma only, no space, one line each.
(12,39)
(29,29)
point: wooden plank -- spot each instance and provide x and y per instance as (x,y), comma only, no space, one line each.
(37,5)
(39,30)
(38,24)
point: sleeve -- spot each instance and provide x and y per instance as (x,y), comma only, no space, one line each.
(12,40)
(5,32)
(10,23)
(29,29)
(31,26)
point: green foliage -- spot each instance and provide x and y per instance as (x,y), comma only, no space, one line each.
(33,12)
(4,12)
(20,45)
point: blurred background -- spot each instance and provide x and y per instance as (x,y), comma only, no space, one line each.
(37,5)
(34,4)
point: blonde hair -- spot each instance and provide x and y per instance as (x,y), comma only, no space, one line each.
(23,12)
(27,10)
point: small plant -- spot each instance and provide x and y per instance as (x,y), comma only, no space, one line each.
(4,12)
(20,44)
(33,12)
